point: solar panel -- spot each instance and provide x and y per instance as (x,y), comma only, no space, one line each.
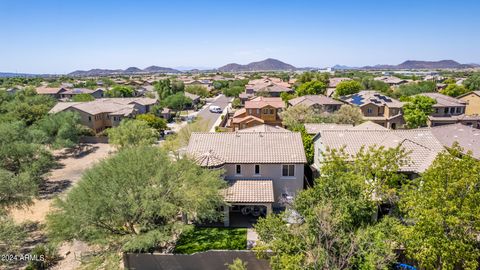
(357,100)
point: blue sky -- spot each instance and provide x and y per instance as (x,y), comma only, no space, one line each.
(62,36)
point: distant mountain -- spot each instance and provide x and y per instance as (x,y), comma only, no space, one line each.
(157,69)
(268,64)
(130,70)
(415,64)
(342,67)
(133,70)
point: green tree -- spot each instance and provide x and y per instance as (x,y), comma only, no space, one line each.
(416,111)
(236,103)
(371,84)
(411,89)
(307,141)
(197,90)
(311,88)
(26,106)
(132,133)
(443,207)
(337,230)
(167,88)
(472,83)
(347,87)
(450,81)
(82,98)
(237,264)
(295,116)
(132,201)
(176,101)
(454,90)
(347,114)
(57,130)
(120,91)
(233,91)
(155,122)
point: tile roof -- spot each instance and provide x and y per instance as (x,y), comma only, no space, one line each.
(249,191)
(314,128)
(467,137)
(264,128)
(443,100)
(48,90)
(118,106)
(369,125)
(332,82)
(371,97)
(389,79)
(250,147)
(310,100)
(471,92)
(260,102)
(422,143)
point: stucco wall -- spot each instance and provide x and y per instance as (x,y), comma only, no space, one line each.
(473,106)
(281,184)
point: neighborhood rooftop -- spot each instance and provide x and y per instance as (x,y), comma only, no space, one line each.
(421,144)
(371,97)
(249,147)
(310,100)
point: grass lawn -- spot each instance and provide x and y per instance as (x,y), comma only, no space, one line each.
(203,239)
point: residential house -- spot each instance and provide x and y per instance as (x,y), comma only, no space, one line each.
(316,128)
(104,113)
(258,111)
(332,85)
(391,80)
(54,92)
(468,138)
(264,128)
(70,93)
(472,102)
(272,87)
(378,108)
(449,110)
(421,144)
(319,103)
(263,169)
(195,98)
(204,83)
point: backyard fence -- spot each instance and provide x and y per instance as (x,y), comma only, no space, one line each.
(208,260)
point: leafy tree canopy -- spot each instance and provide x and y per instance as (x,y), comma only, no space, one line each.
(454,90)
(311,88)
(472,83)
(416,110)
(120,91)
(153,121)
(82,98)
(443,208)
(176,101)
(198,90)
(132,201)
(347,88)
(132,133)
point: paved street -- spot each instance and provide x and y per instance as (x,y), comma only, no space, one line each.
(222,102)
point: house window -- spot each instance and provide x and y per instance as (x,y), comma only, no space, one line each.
(258,111)
(369,111)
(249,111)
(445,110)
(257,169)
(459,109)
(452,110)
(271,111)
(288,170)
(89,119)
(238,169)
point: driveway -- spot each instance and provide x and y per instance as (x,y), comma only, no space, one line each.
(222,102)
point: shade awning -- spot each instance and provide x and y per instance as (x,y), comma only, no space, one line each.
(249,191)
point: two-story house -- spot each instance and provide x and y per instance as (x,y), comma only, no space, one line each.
(472,100)
(378,108)
(319,103)
(70,93)
(258,111)
(262,169)
(105,113)
(449,110)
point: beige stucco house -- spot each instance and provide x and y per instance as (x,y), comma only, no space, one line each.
(264,169)
(105,113)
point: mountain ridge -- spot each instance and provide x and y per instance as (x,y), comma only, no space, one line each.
(268,64)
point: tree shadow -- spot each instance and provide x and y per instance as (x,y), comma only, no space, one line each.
(49,189)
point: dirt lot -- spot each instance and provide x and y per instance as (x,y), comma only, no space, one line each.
(71,165)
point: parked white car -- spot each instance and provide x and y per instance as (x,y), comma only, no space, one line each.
(215,109)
